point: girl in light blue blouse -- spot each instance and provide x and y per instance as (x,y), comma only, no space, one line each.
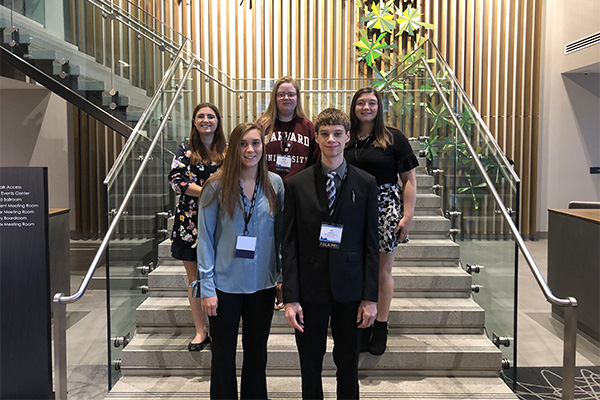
(239,233)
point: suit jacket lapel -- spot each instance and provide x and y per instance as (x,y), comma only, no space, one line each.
(321,191)
(342,198)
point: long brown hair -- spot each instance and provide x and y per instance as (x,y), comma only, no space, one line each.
(382,136)
(229,174)
(199,153)
(267,120)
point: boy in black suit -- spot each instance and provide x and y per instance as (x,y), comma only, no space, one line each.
(330,258)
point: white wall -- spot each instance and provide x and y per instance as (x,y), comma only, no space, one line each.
(34,132)
(569,140)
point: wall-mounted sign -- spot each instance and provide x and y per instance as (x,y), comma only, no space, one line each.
(25,356)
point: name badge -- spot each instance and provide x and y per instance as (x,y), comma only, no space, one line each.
(330,236)
(245,247)
(283,163)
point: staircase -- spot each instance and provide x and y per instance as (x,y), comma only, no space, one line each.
(66,70)
(436,347)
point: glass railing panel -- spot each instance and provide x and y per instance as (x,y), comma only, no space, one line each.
(485,239)
(149,119)
(133,245)
(481,230)
(142,227)
(32,9)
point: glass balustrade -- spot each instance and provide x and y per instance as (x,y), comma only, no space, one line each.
(426,101)
(113,57)
(116,57)
(132,251)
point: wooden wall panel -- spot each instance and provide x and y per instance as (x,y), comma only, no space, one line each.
(492,47)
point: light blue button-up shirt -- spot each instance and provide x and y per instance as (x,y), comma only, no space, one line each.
(217,235)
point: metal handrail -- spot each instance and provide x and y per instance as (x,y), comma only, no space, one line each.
(60,300)
(111,176)
(570,329)
(137,26)
(462,92)
(472,107)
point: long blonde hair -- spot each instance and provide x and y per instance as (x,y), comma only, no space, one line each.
(198,151)
(229,174)
(267,120)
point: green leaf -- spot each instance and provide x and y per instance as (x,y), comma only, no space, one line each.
(405,103)
(410,21)
(381,17)
(370,51)
(440,116)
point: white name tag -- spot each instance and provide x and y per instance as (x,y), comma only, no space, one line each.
(330,236)
(283,163)
(245,247)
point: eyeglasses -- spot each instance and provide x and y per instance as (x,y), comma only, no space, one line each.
(290,95)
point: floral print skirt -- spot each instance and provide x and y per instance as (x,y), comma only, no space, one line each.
(390,212)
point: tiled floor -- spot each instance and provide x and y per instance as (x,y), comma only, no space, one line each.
(539,335)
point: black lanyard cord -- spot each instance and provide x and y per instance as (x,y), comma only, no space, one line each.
(356,153)
(248,214)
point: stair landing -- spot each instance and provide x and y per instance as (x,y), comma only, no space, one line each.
(414,388)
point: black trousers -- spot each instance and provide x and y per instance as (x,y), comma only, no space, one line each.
(312,345)
(256,311)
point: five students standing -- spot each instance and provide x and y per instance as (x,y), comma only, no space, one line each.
(339,224)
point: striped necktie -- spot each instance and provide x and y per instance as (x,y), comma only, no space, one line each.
(331,190)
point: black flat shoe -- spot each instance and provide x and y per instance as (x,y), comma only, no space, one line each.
(199,346)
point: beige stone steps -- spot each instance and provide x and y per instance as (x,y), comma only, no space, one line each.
(415,388)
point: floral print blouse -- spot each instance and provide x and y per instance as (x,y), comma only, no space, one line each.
(185,231)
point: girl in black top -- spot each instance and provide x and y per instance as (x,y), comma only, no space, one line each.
(385,153)
(194,161)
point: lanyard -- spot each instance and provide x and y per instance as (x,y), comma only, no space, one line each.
(248,214)
(356,153)
(286,146)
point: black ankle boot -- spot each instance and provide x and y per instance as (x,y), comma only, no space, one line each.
(365,339)
(379,338)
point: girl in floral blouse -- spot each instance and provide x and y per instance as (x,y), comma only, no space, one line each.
(194,161)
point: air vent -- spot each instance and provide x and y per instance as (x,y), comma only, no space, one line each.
(582,43)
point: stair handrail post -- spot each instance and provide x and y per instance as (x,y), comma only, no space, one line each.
(569,350)
(59,333)
(570,303)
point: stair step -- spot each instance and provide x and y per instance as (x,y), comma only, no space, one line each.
(415,146)
(426,315)
(428,204)
(121,101)
(410,354)
(41,54)
(164,250)
(429,226)
(431,282)
(421,388)
(88,84)
(424,182)
(134,115)
(170,279)
(427,252)
(141,202)
(72,70)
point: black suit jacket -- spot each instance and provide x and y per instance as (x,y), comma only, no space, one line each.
(315,274)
